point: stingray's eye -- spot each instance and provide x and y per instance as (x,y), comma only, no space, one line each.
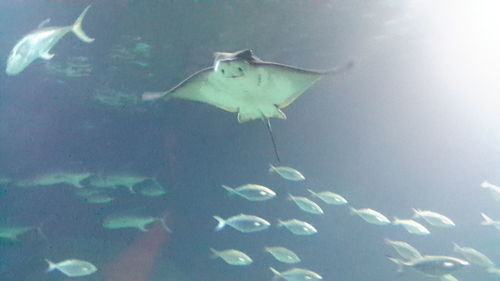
(240,69)
(222,70)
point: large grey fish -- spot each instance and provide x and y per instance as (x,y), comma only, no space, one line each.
(39,42)
(241,82)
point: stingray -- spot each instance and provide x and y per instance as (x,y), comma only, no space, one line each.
(241,82)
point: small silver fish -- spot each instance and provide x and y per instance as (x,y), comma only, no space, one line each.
(433,218)
(252,192)
(243,223)
(12,233)
(371,216)
(38,43)
(329,197)
(298,227)
(286,173)
(283,254)
(412,226)
(474,256)
(297,274)
(493,189)
(306,204)
(489,221)
(232,256)
(72,267)
(405,250)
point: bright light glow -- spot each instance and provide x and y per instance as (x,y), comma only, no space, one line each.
(464,39)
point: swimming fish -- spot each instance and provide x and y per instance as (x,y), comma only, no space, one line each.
(433,218)
(298,227)
(232,256)
(412,226)
(489,221)
(72,267)
(371,216)
(283,254)
(306,205)
(252,192)
(241,82)
(405,250)
(114,181)
(12,233)
(132,221)
(150,187)
(435,266)
(297,274)
(286,173)
(243,223)
(73,179)
(329,197)
(474,256)
(493,189)
(39,42)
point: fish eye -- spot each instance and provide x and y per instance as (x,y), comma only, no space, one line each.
(222,70)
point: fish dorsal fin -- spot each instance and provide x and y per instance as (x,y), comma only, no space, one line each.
(43,23)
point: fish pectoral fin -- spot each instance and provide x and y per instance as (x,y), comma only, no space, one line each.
(46,56)
(143,228)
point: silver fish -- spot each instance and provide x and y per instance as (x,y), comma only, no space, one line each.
(252,192)
(297,274)
(243,223)
(38,43)
(232,256)
(72,267)
(286,173)
(306,205)
(298,227)
(435,266)
(283,254)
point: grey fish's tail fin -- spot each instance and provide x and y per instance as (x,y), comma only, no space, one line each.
(149,96)
(77,27)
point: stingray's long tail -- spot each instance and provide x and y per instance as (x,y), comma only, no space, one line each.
(341,68)
(268,124)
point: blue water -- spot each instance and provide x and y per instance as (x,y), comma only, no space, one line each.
(400,130)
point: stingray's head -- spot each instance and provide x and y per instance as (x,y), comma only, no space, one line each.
(231,68)
(233,65)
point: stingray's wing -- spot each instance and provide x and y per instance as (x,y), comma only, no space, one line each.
(297,80)
(195,88)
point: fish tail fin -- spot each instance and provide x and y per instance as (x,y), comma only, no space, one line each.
(164,225)
(221,223)
(312,193)
(352,211)
(280,223)
(272,169)
(52,265)
(276,273)
(230,190)
(77,27)
(416,213)
(215,253)
(149,96)
(387,241)
(486,220)
(456,247)
(398,262)
(395,220)
(289,197)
